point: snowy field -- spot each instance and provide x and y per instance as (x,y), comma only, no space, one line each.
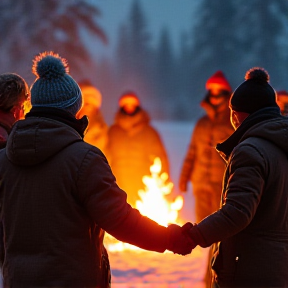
(144,269)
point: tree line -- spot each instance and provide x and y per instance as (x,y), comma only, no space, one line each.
(231,36)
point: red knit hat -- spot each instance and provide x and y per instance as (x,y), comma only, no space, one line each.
(219,80)
(129,98)
(282,101)
(282,93)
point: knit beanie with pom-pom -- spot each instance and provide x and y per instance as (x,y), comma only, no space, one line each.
(54,87)
(253,94)
(219,80)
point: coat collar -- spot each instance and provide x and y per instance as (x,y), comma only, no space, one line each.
(225,148)
(80,125)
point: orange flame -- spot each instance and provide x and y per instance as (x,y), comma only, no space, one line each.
(152,204)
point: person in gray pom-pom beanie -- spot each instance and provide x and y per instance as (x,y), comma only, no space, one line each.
(58,195)
(54,87)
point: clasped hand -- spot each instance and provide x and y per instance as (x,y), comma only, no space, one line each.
(179,240)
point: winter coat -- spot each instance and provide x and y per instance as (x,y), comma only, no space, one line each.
(133,144)
(97,131)
(202,164)
(6,121)
(252,223)
(57,193)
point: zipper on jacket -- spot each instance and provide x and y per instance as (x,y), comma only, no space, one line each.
(236,264)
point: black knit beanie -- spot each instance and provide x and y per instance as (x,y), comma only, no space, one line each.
(255,93)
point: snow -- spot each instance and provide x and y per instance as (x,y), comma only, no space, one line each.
(145,269)
(150,269)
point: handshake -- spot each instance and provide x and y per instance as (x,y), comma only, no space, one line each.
(182,240)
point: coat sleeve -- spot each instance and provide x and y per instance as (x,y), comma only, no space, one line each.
(107,206)
(189,160)
(245,179)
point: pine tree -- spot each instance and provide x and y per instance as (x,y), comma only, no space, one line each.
(185,82)
(234,36)
(123,54)
(215,45)
(165,81)
(134,56)
(139,37)
(36,26)
(105,81)
(263,36)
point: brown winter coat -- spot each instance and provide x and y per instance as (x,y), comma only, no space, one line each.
(132,146)
(57,193)
(202,163)
(252,223)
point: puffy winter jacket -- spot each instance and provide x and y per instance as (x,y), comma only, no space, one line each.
(133,144)
(252,224)
(57,193)
(97,132)
(202,164)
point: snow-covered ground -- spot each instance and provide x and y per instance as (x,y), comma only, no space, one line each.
(144,269)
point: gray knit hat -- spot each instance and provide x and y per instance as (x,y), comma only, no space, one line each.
(53,86)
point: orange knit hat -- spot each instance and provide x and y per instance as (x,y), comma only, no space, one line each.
(129,98)
(218,80)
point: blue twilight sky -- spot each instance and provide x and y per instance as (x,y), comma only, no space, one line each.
(177,15)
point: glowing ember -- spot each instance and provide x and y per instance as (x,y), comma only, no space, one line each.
(152,204)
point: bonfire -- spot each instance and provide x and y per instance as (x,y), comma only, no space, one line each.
(153,204)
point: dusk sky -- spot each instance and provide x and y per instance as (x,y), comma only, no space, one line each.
(174,14)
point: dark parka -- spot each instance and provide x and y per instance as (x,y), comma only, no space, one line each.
(252,223)
(133,144)
(6,121)
(57,193)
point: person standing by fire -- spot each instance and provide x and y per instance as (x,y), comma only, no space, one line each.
(97,130)
(250,229)
(282,101)
(202,164)
(58,194)
(133,144)
(14,92)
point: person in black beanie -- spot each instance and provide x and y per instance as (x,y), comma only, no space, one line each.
(250,229)
(58,194)
(253,94)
